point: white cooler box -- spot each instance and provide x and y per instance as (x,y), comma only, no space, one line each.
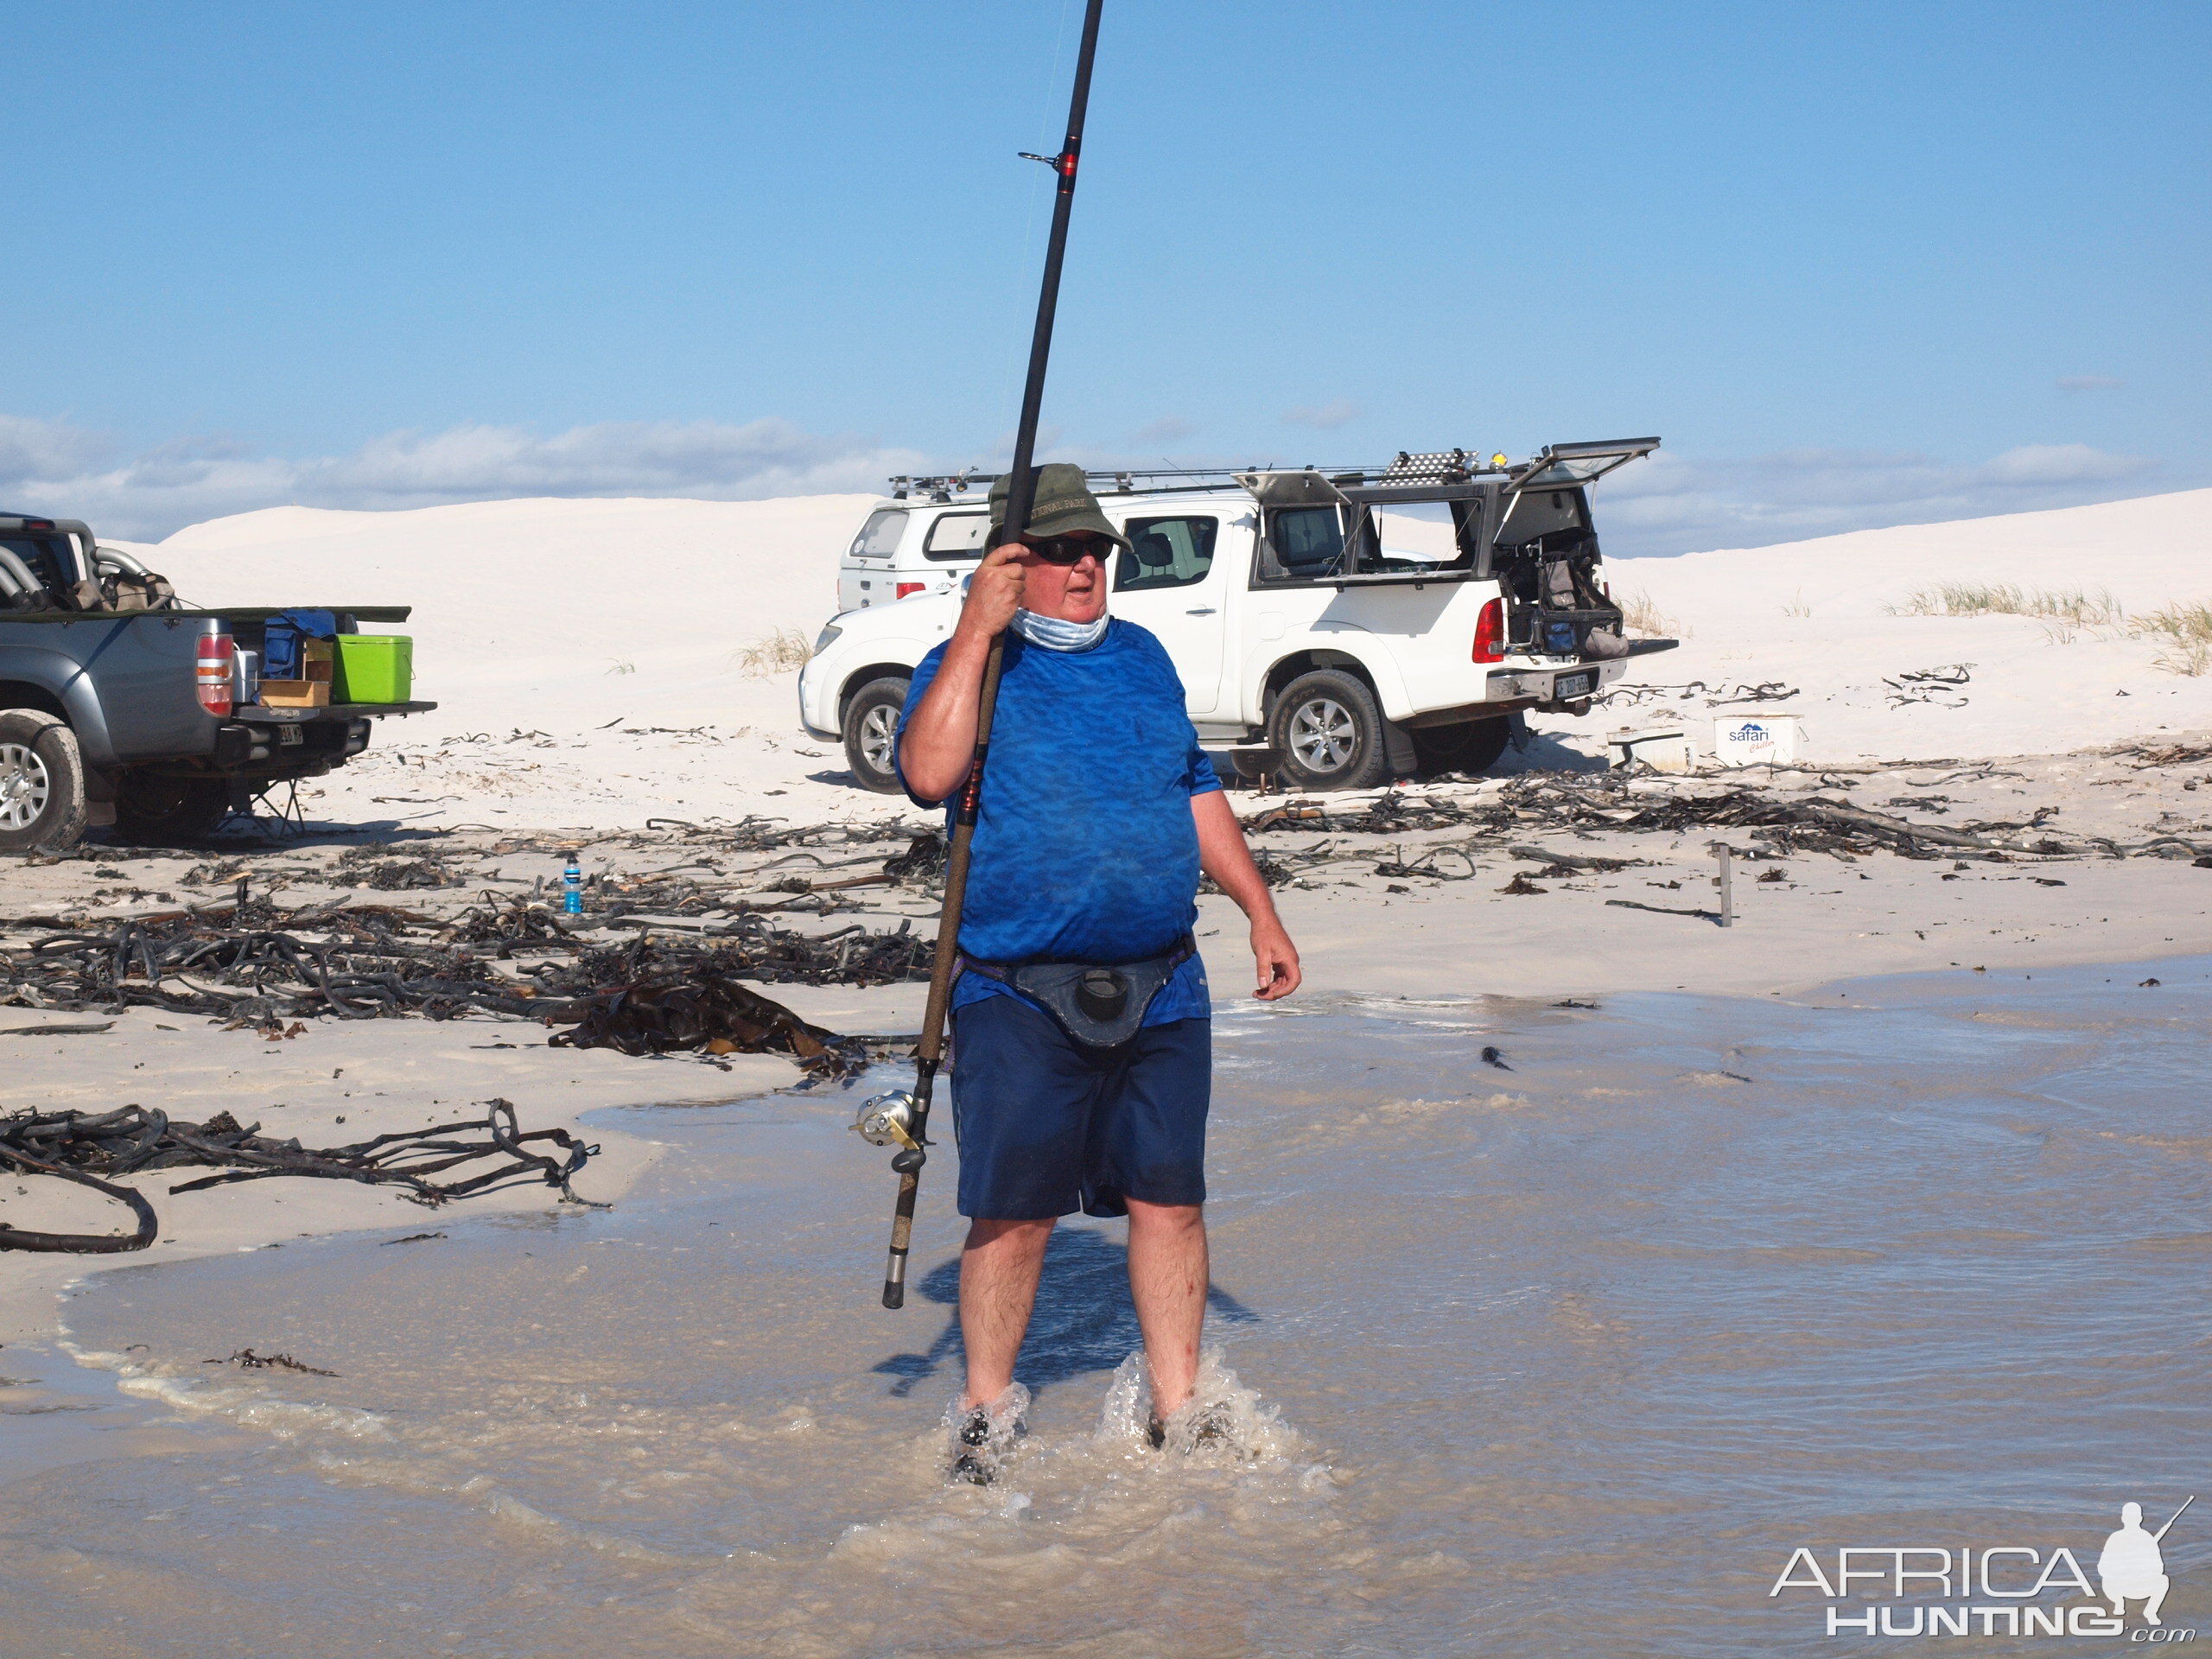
(1757,740)
(1664,748)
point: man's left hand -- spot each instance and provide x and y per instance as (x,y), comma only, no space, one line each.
(1276,959)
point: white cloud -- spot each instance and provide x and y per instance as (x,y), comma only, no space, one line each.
(2089,382)
(35,449)
(1673,504)
(1670,504)
(51,467)
(1335,412)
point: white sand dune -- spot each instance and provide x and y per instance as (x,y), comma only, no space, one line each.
(560,616)
(1817,616)
(526,612)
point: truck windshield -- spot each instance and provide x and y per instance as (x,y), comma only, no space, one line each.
(880,537)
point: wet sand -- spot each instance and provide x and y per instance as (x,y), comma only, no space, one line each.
(1574,1353)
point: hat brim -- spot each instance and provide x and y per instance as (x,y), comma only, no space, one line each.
(1065,517)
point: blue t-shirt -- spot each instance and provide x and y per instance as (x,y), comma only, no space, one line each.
(1084,847)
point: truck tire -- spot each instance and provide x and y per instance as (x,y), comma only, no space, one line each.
(1329,731)
(1470,747)
(41,782)
(871,727)
(152,810)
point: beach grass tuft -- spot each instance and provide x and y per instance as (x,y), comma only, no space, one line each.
(772,654)
(2183,631)
(1639,614)
(2079,606)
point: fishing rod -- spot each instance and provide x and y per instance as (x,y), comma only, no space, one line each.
(902,1119)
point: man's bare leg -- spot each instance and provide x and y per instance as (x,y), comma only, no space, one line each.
(1168,1275)
(999,1268)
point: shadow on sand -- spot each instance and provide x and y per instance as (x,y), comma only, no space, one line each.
(1084,1321)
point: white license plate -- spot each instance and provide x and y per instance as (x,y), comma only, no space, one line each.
(289,737)
(1570,685)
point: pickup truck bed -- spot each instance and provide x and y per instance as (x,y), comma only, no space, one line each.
(103,721)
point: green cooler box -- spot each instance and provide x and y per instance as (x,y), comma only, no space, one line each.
(373,668)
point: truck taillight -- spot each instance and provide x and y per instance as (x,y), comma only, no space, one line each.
(906,587)
(211,673)
(1490,632)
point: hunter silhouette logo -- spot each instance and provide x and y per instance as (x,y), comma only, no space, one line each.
(1995,1590)
(2132,1565)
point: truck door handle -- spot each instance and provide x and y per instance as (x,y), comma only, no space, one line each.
(1203,610)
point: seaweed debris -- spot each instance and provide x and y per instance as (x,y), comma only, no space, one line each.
(86,1147)
(246,1360)
(1588,804)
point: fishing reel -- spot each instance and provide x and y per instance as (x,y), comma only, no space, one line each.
(889,1120)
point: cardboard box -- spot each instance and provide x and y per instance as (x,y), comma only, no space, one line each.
(296,694)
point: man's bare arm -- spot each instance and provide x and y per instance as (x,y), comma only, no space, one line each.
(940,745)
(1224,856)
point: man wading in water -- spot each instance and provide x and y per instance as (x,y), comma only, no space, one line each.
(1073,1088)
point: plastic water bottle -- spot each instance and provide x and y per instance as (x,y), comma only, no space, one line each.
(572,884)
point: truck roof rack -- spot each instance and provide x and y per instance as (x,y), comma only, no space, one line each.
(1555,463)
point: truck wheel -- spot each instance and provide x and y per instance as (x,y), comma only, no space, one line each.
(157,811)
(41,782)
(1329,731)
(1470,747)
(871,731)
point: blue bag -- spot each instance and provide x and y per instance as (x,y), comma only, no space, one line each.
(280,649)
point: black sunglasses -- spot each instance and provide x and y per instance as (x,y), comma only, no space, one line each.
(1068,549)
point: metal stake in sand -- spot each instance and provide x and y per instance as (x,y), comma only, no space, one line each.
(1020,493)
(1723,851)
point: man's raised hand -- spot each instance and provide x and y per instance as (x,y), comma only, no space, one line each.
(994,592)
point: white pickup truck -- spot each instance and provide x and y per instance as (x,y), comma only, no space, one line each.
(1334,629)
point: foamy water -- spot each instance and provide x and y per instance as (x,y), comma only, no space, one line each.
(1571,1355)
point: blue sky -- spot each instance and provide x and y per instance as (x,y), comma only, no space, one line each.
(1858,265)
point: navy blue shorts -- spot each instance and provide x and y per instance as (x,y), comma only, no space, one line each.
(1047,1125)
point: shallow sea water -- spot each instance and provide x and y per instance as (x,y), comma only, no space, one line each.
(1570,1354)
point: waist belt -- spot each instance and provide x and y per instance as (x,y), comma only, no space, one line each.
(1100,1005)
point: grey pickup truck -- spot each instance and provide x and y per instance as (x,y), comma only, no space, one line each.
(120,705)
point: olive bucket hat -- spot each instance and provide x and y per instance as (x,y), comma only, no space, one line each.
(1063,504)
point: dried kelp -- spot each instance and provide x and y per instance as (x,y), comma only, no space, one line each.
(86,1147)
(710,1012)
